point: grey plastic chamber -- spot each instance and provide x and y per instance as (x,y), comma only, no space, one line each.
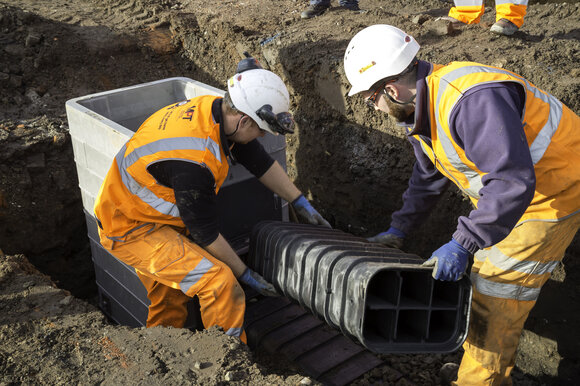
(379,296)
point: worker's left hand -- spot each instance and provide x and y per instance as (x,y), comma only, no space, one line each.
(449,261)
(257,282)
(305,210)
(392,238)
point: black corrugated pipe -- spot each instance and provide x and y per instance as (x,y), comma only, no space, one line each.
(378,296)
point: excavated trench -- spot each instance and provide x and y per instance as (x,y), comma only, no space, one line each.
(356,154)
(348,163)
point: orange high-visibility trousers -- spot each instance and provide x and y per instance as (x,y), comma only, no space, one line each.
(507,279)
(173,269)
(168,305)
(470,11)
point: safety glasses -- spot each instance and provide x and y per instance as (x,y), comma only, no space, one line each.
(282,123)
(379,88)
(371,101)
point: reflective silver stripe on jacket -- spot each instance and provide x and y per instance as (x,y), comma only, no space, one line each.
(167,144)
(503,290)
(506,263)
(538,147)
(193,276)
(234,331)
(544,137)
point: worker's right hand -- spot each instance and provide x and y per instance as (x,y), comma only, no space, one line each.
(449,261)
(392,238)
(257,282)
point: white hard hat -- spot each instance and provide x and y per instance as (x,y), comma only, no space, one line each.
(375,53)
(263,96)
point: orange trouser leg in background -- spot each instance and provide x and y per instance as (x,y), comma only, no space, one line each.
(169,259)
(471,11)
(507,279)
(512,12)
(468,14)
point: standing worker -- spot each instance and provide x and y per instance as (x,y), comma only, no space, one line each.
(157,208)
(509,14)
(512,148)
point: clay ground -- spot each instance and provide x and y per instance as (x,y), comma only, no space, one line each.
(351,162)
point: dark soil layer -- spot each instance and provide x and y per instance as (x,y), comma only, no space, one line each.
(351,162)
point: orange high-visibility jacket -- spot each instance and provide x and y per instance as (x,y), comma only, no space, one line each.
(130,197)
(551,129)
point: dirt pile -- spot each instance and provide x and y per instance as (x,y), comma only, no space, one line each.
(72,343)
(352,163)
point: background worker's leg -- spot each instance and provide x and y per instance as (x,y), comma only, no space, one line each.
(168,305)
(507,279)
(512,10)
(467,11)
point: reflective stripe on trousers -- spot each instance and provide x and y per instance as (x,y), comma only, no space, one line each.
(165,258)
(507,279)
(471,11)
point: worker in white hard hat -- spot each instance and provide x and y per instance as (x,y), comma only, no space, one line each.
(157,207)
(512,148)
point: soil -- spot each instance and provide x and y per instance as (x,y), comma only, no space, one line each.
(351,162)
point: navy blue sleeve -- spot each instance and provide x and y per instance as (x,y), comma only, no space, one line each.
(195,197)
(253,157)
(486,123)
(425,187)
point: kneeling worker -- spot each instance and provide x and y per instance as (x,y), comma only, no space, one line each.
(157,209)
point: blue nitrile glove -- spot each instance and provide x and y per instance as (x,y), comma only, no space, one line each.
(305,210)
(392,238)
(449,261)
(257,282)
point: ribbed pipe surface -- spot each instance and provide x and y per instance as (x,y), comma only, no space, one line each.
(378,296)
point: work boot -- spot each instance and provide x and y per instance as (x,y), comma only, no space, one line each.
(351,7)
(313,11)
(504,27)
(448,373)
